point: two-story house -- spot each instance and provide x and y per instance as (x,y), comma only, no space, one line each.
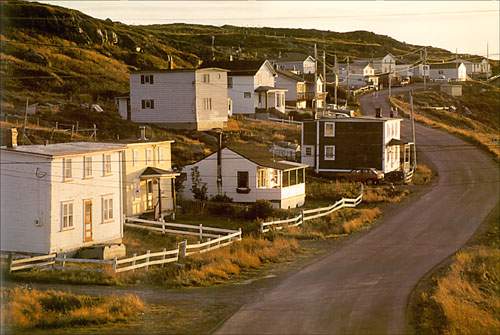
(296,63)
(315,90)
(247,174)
(333,145)
(148,179)
(296,88)
(251,86)
(60,197)
(180,98)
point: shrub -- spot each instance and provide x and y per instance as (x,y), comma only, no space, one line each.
(221,198)
(261,209)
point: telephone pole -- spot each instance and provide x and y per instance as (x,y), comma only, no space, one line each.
(413,133)
(336,68)
(424,68)
(348,87)
(315,81)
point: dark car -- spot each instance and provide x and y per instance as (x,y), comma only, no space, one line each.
(365,175)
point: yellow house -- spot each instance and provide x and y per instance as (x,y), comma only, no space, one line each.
(148,177)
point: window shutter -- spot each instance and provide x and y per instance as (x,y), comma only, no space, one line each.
(142,79)
(152,104)
(151,81)
(143,104)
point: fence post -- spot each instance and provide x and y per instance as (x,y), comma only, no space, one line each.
(163,228)
(9,261)
(133,262)
(115,261)
(72,130)
(64,261)
(147,260)
(301,217)
(57,125)
(239,238)
(163,257)
(201,232)
(182,249)
(262,227)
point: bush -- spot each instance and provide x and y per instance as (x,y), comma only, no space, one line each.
(221,198)
(261,209)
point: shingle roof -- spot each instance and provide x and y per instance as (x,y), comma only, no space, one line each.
(290,75)
(260,155)
(450,65)
(154,171)
(65,149)
(236,67)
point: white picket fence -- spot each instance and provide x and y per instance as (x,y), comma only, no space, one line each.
(219,242)
(311,214)
(22,263)
(146,260)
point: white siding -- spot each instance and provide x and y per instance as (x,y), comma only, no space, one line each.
(392,130)
(240,104)
(216,91)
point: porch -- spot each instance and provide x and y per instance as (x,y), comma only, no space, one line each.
(270,99)
(157,192)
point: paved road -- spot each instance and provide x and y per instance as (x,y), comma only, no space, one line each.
(363,287)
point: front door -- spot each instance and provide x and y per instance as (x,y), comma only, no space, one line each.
(149,195)
(87,220)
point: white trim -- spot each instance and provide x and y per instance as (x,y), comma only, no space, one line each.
(324,153)
(72,226)
(324,129)
(305,150)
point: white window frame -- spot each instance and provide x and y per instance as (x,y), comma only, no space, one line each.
(147,104)
(326,150)
(87,167)
(310,147)
(67,169)
(206,78)
(149,156)
(262,178)
(107,208)
(247,95)
(207,103)
(147,79)
(135,155)
(327,124)
(106,165)
(67,215)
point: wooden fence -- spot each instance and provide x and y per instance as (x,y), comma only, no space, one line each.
(201,247)
(311,214)
(146,260)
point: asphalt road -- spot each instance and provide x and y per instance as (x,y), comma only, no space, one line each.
(363,287)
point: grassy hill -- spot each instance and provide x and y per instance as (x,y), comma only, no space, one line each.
(54,54)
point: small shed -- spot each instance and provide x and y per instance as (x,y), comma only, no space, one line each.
(453,90)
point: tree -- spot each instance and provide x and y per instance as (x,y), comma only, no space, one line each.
(198,187)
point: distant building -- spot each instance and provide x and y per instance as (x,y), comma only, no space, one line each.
(181,98)
(251,87)
(287,150)
(296,63)
(476,68)
(448,71)
(250,174)
(333,145)
(453,90)
(296,88)
(60,197)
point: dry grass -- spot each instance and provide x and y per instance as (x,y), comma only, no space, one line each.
(466,299)
(24,308)
(378,194)
(423,175)
(324,189)
(365,216)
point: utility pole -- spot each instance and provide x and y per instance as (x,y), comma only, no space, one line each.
(413,133)
(424,69)
(315,81)
(348,87)
(390,72)
(324,71)
(456,58)
(336,68)
(213,47)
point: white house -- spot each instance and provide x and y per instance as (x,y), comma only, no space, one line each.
(248,174)
(475,67)
(60,197)
(386,64)
(448,71)
(251,86)
(296,63)
(287,150)
(295,86)
(147,177)
(420,70)
(180,98)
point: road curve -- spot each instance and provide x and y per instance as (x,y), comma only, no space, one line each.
(363,287)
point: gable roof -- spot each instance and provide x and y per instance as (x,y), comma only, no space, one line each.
(260,155)
(66,149)
(238,67)
(449,65)
(289,74)
(293,57)
(157,172)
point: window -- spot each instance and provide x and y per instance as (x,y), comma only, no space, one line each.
(147,79)
(286,178)
(135,156)
(87,167)
(206,78)
(207,103)
(229,82)
(148,104)
(247,95)
(67,215)
(160,155)
(67,170)
(149,156)
(106,161)
(330,129)
(107,208)
(293,177)
(300,176)
(308,150)
(278,100)
(329,152)
(262,178)
(242,179)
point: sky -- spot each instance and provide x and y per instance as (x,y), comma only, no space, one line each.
(463,26)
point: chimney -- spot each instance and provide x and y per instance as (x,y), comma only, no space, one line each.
(143,133)
(12,139)
(378,112)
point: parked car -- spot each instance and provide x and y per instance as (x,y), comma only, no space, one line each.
(365,175)
(441,79)
(395,176)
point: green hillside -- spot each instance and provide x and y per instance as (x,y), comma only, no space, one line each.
(53,54)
